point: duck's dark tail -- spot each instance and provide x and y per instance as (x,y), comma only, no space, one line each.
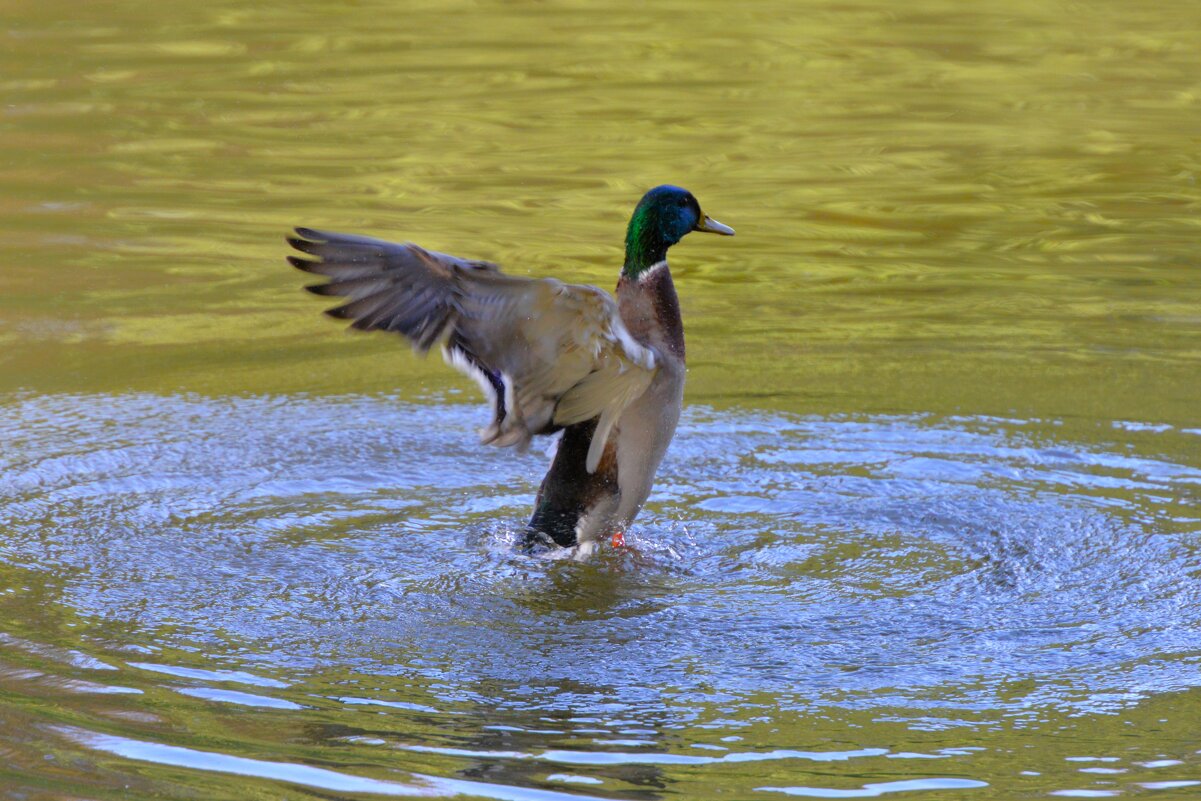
(549,528)
(569,491)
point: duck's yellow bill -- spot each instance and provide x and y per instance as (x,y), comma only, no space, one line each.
(711,225)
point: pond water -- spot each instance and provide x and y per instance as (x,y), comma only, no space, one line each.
(930,527)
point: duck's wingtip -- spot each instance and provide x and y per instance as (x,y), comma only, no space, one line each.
(302,264)
(340,313)
(310,234)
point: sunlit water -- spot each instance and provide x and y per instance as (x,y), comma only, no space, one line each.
(339,577)
(930,526)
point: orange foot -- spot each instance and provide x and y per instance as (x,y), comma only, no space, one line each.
(619,540)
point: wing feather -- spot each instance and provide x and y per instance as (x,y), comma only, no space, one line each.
(548,354)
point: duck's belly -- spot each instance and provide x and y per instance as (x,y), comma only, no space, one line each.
(577,507)
(643,434)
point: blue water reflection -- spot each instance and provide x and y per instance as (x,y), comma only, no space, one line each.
(862,563)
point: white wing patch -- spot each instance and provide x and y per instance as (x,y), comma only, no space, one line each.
(638,354)
(458,360)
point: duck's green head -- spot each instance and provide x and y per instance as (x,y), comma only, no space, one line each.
(661,219)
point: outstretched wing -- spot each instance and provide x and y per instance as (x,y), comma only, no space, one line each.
(548,354)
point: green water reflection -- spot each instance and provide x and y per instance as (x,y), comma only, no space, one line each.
(939,207)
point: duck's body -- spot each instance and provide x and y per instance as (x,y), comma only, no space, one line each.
(550,356)
(575,506)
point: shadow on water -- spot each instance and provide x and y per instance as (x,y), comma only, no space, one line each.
(345,570)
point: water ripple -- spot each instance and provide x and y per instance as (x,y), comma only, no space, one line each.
(868,562)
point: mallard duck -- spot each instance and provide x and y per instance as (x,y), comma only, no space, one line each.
(549,356)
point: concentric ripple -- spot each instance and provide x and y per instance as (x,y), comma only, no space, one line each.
(332,558)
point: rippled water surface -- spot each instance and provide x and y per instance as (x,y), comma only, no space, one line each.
(930,526)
